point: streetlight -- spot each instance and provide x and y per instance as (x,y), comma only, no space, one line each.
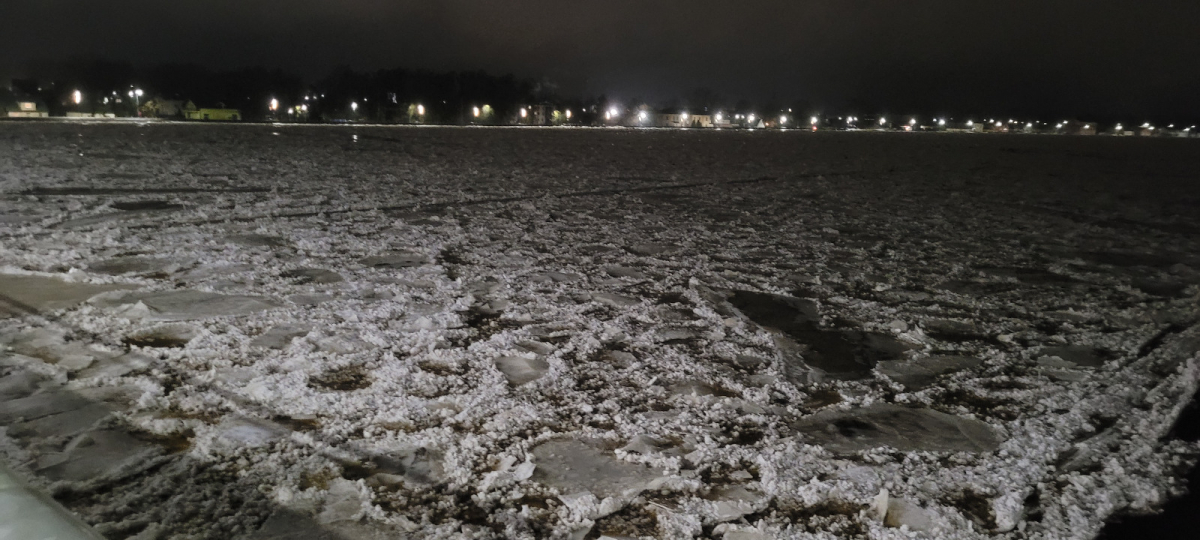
(642,116)
(274,104)
(77,97)
(475,111)
(782,119)
(136,93)
(912,122)
(354,106)
(568,114)
(813,120)
(524,112)
(882,120)
(420,110)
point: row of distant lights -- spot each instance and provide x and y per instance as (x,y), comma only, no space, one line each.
(77,97)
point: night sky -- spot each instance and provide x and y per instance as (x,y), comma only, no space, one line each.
(1102,57)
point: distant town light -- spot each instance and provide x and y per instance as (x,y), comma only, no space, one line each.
(1029,125)
(420,110)
(970,123)
(999,123)
(524,112)
(613,112)
(274,104)
(882,120)
(77,97)
(568,114)
(1059,126)
(475,111)
(642,116)
(684,116)
(304,108)
(750,118)
(354,105)
(814,120)
(718,117)
(783,119)
(941,121)
(912,122)
(1087,126)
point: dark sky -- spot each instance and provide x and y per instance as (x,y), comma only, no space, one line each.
(1136,57)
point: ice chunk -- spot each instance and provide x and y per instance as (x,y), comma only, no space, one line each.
(573,467)
(100,454)
(521,370)
(902,513)
(899,427)
(280,336)
(136,265)
(313,275)
(19,384)
(116,367)
(24,294)
(920,373)
(554,277)
(650,249)
(615,300)
(733,502)
(249,432)
(26,516)
(165,336)
(39,405)
(624,272)
(396,260)
(1076,355)
(258,240)
(344,502)
(183,305)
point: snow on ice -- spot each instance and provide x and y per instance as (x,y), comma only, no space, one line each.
(216,332)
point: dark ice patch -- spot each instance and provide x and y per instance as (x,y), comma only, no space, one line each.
(841,353)
(902,428)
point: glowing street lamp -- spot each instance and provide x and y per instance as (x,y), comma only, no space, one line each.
(912,122)
(642,116)
(813,120)
(420,110)
(941,121)
(524,112)
(718,117)
(882,120)
(354,106)
(613,112)
(782,119)
(568,114)
(136,94)
(970,123)
(77,97)
(274,104)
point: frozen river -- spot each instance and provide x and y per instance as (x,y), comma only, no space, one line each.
(379,332)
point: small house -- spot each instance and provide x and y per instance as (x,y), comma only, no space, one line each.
(23,106)
(214,115)
(682,119)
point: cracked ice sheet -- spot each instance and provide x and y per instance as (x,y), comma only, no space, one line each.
(382,389)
